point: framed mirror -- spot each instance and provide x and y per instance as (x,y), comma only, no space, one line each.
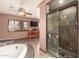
(17,25)
(24,27)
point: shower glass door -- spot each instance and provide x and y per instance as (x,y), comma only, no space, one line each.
(62,38)
(68,32)
(53,33)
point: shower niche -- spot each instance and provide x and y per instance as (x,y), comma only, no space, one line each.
(62,28)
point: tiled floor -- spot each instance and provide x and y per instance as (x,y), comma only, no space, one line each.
(44,55)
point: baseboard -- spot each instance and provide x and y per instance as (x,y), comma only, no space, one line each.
(43,50)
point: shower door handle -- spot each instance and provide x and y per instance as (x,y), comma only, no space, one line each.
(49,35)
(57,36)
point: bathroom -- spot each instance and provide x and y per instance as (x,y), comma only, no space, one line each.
(39,29)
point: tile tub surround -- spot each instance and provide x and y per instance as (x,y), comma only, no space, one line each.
(30,52)
(33,46)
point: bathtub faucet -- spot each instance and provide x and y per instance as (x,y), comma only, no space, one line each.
(16,47)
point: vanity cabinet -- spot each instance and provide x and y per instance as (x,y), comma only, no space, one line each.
(33,34)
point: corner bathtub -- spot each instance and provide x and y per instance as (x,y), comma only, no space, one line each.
(13,51)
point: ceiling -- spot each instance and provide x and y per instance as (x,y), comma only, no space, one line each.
(11,7)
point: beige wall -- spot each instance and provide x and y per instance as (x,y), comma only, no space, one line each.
(43,11)
(4,27)
(43,27)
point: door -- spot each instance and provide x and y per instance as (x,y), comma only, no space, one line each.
(62,35)
(53,33)
(68,32)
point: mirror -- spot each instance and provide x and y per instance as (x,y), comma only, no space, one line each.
(17,25)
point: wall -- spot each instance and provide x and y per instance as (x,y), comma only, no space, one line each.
(43,27)
(4,27)
(43,11)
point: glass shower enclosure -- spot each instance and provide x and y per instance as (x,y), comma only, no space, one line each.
(62,32)
(53,33)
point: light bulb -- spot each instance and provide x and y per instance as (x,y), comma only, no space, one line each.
(60,1)
(21,13)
